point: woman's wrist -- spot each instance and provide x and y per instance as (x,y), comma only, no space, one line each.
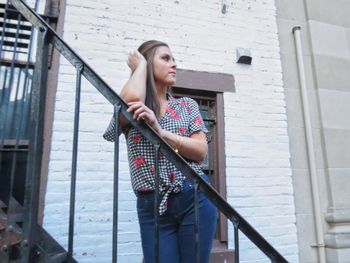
(179,143)
(163,133)
(142,65)
(175,142)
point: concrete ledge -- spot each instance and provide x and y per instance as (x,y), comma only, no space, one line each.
(337,255)
(338,215)
(338,237)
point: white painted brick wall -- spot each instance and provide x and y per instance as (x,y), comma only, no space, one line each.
(259,183)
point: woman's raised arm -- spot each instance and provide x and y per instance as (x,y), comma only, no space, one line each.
(135,87)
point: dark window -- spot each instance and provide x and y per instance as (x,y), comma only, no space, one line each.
(208,107)
(207,89)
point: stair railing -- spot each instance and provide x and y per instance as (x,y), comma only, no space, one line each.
(48,36)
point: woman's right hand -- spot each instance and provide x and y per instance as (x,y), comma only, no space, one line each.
(141,111)
(136,59)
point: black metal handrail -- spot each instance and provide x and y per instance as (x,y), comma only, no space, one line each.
(48,35)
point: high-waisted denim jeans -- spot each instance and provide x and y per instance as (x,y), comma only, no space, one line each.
(177,227)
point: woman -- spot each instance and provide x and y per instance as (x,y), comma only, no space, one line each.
(178,121)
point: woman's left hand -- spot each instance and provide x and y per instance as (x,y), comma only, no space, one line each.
(141,111)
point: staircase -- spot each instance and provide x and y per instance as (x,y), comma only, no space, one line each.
(21,238)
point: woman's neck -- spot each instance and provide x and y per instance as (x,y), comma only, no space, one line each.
(163,100)
(162,94)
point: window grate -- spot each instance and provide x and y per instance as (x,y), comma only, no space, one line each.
(15,35)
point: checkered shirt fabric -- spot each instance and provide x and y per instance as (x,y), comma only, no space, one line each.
(182,117)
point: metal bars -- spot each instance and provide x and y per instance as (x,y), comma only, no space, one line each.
(15,102)
(151,135)
(236,237)
(156,204)
(196,222)
(3,26)
(36,144)
(80,68)
(115,184)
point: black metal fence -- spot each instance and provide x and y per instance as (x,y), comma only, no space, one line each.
(31,243)
(16,76)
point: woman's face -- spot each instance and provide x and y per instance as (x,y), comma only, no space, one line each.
(164,67)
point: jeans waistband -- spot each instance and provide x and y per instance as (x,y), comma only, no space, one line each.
(144,194)
(186,186)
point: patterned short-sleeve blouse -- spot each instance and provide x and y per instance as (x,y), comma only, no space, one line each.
(182,117)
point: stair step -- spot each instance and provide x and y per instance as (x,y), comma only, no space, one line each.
(222,256)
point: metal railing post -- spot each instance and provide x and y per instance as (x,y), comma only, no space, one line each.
(117,108)
(146,131)
(156,203)
(80,69)
(196,222)
(37,114)
(236,237)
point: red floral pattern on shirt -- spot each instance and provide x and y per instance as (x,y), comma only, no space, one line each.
(139,161)
(198,120)
(173,113)
(182,117)
(182,131)
(144,189)
(136,138)
(171,177)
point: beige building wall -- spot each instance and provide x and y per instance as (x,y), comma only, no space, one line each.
(325,34)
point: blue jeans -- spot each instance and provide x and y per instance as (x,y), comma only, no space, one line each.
(176,227)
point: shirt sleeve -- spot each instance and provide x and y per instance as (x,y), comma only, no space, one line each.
(108,135)
(196,122)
